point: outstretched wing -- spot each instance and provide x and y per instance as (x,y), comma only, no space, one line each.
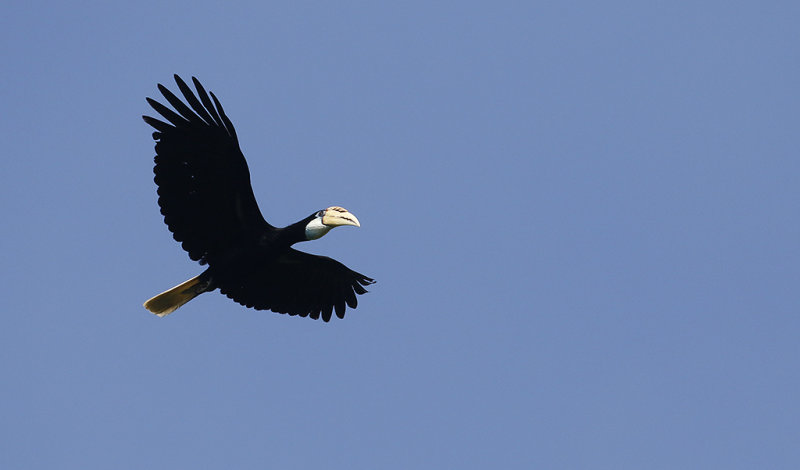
(300,283)
(203,181)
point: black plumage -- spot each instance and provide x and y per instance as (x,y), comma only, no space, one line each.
(208,204)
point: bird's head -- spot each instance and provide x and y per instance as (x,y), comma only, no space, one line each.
(322,221)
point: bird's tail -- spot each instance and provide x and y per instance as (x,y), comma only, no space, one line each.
(167,302)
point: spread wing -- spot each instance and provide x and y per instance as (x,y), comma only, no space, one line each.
(302,284)
(203,181)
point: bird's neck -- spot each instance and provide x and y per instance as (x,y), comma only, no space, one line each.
(292,234)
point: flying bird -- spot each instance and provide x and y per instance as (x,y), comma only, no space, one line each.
(208,204)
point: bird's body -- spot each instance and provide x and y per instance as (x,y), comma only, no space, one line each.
(208,204)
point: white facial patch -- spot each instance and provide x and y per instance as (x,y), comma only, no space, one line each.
(316,229)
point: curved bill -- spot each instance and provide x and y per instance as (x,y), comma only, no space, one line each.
(336,216)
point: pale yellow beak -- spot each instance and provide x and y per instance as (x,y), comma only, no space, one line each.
(336,216)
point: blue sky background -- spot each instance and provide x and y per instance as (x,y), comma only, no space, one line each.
(582,216)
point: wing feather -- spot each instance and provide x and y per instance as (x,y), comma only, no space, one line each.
(174,118)
(192,100)
(158,125)
(224,117)
(201,92)
(179,106)
(299,283)
(203,180)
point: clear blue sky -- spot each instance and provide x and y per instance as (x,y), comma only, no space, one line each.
(582,216)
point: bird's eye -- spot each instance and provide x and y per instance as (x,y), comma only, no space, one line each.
(320,213)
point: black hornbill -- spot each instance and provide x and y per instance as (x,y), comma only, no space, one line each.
(208,204)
